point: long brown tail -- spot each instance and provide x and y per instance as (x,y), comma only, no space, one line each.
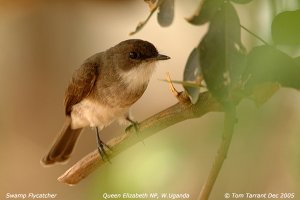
(63,145)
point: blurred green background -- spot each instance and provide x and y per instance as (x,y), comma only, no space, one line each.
(42,42)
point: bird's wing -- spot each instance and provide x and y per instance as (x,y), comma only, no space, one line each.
(81,85)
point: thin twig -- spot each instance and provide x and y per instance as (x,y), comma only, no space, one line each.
(143,23)
(229,122)
(192,84)
(172,88)
(181,96)
(172,115)
(256,36)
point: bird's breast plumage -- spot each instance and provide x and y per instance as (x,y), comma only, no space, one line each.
(113,94)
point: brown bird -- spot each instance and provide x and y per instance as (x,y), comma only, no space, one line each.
(102,91)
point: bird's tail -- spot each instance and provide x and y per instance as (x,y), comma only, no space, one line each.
(63,145)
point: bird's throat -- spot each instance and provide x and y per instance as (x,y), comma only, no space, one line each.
(138,76)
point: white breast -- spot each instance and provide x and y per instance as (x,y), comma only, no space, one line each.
(91,113)
(138,76)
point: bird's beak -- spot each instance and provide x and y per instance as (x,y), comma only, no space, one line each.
(162,57)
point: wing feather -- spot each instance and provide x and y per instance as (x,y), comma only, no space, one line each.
(81,85)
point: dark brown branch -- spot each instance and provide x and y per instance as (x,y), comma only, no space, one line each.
(179,112)
(229,123)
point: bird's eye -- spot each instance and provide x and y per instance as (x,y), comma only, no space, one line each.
(134,55)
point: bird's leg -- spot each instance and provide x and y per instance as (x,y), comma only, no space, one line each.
(100,146)
(134,124)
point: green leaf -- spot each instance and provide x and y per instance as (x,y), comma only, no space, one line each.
(221,54)
(241,1)
(263,92)
(286,28)
(297,60)
(192,73)
(205,12)
(165,15)
(267,64)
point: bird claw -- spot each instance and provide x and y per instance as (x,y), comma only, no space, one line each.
(101,148)
(134,125)
(104,156)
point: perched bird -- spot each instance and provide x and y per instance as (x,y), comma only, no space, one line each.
(102,90)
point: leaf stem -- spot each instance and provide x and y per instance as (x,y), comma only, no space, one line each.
(229,122)
(254,35)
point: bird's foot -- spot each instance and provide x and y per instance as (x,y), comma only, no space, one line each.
(101,148)
(134,125)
